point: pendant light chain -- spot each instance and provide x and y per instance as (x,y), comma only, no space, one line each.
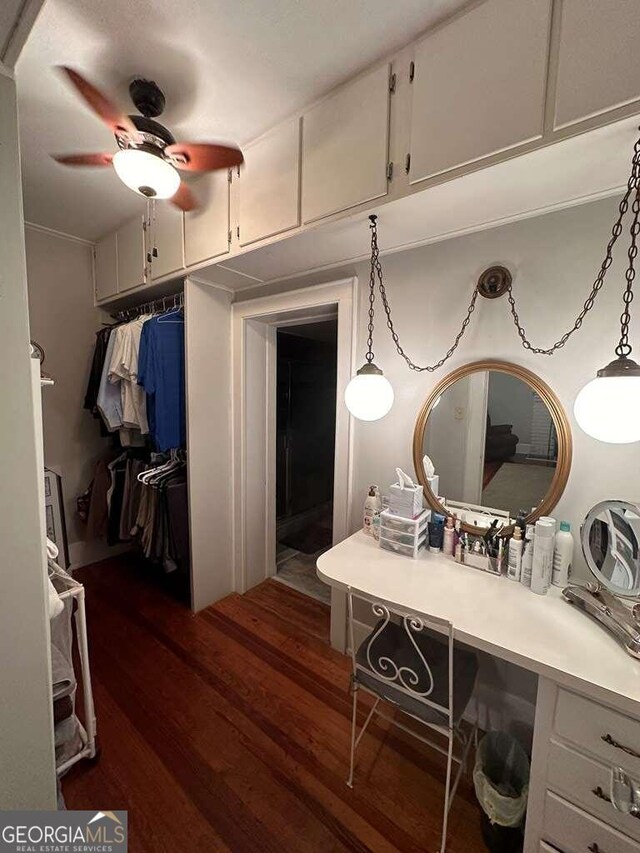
(632,185)
(372,297)
(624,348)
(376,268)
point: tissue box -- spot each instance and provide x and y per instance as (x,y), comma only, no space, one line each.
(405,501)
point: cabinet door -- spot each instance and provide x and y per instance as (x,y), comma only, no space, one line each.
(130,238)
(206,230)
(345,145)
(479,85)
(599,59)
(166,235)
(106,267)
(270,184)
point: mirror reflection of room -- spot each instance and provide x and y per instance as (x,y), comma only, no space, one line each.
(493,443)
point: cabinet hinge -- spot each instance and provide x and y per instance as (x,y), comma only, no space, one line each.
(412,71)
(389,171)
(407,163)
(230,175)
(392,82)
(229,237)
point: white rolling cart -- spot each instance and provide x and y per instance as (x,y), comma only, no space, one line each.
(70,588)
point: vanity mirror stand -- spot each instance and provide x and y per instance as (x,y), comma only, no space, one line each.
(610,538)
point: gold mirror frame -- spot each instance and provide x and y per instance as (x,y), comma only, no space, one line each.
(558,415)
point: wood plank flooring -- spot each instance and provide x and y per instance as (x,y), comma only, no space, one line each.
(229,730)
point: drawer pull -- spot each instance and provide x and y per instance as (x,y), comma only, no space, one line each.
(608,739)
(595,848)
(598,792)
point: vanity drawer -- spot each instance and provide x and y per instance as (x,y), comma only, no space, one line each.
(578,778)
(587,723)
(575,831)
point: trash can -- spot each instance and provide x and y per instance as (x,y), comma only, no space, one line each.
(501,782)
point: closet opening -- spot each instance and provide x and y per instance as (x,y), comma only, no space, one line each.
(306,377)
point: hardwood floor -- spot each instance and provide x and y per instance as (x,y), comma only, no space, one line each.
(229,730)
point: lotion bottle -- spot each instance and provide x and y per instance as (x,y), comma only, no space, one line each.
(562,555)
(542,567)
(514,560)
(448,545)
(527,557)
(372,504)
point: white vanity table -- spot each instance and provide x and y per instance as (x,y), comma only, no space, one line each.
(588,687)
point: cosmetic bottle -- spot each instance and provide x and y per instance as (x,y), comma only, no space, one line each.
(436,533)
(527,557)
(514,559)
(562,555)
(372,504)
(542,566)
(448,539)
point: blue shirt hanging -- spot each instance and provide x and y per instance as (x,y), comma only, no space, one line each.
(161,374)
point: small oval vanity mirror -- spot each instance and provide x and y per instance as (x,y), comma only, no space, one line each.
(499,442)
(611,544)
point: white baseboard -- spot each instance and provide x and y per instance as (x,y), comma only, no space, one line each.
(84,553)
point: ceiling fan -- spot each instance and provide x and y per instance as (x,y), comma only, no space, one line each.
(148,156)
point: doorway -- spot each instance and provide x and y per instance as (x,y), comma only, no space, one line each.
(305,451)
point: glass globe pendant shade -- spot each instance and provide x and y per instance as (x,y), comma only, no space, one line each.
(608,407)
(369,395)
(146,173)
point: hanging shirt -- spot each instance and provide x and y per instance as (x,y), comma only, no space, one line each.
(109,400)
(124,368)
(161,374)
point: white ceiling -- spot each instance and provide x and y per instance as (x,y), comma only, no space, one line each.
(230,69)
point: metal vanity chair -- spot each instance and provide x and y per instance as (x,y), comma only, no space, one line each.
(409,660)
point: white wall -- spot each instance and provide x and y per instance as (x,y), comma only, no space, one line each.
(554,260)
(208,378)
(27,770)
(64,321)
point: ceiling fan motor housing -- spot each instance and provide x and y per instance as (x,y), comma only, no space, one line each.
(147,96)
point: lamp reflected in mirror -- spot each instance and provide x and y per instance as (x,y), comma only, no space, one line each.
(499,441)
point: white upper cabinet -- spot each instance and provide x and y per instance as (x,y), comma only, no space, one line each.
(479,85)
(599,58)
(345,145)
(131,254)
(106,268)
(269,185)
(206,230)
(166,235)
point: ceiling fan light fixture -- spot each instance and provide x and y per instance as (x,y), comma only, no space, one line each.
(146,173)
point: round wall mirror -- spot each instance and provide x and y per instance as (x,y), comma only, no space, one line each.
(611,545)
(499,442)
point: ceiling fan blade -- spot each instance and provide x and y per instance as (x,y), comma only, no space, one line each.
(83,159)
(202,156)
(184,198)
(118,122)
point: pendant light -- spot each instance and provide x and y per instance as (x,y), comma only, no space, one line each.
(369,395)
(608,407)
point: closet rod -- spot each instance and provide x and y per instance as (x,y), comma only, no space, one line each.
(175,300)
